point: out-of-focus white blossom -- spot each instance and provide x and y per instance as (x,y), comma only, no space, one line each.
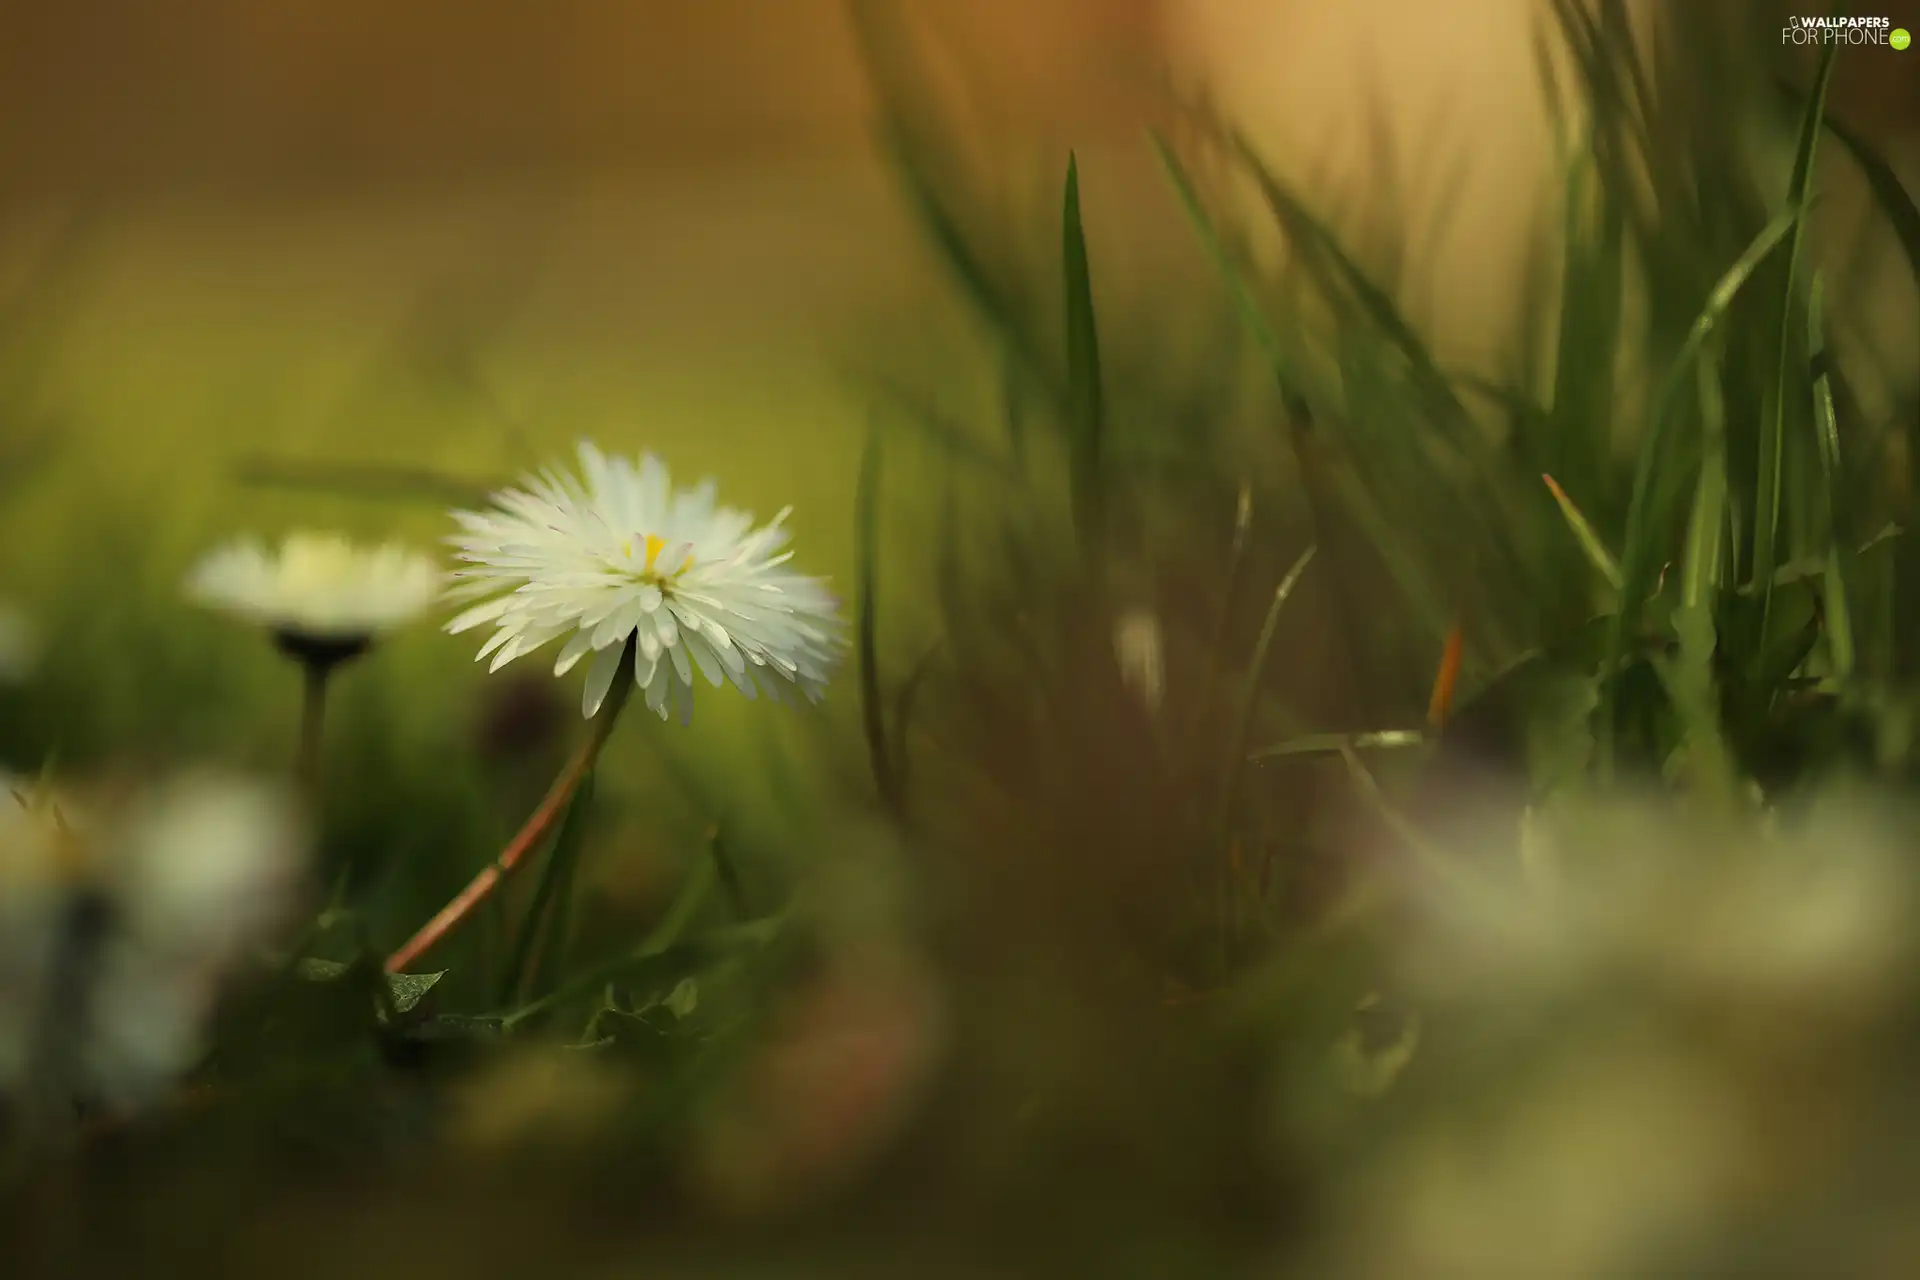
(317,587)
(1659,1025)
(210,865)
(118,923)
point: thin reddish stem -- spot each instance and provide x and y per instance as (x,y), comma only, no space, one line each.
(539,825)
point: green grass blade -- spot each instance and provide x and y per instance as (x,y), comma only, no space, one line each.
(903,135)
(1332,744)
(1896,203)
(1773,429)
(1641,558)
(1244,299)
(1215,655)
(968,269)
(1689,676)
(872,708)
(550,960)
(1340,275)
(1839,574)
(1300,443)
(1086,419)
(1584,532)
(728,874)
(546,914)
(661,960)
(1236,757)
(1578,439)
(882,758)
(1703,564)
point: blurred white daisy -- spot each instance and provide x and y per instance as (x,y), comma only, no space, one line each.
(119,921)
(19,644)
(617,555)
(319,594)
(1696,1022)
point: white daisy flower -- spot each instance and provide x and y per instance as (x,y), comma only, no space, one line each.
(616,555)
(319,594)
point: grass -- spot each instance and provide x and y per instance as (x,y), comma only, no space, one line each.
(1132,931)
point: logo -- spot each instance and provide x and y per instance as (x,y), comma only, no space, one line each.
(1860,31)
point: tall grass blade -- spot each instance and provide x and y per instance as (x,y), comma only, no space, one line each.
(1703,565)
(1332,744)
(1689,676)
(1591,296)
(1086,409)
(995,299)
(1231,275)
(1839,574)
(1236,758)
(1773,428)
(1587,536)
(872,709)
(1341,276)
(1216,651)
(1287,382)
(728,874)
(1895,201)
(546,914)
(1642,554)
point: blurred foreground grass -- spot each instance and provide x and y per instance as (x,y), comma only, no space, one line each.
(1140,901)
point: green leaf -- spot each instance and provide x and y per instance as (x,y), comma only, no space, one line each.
(1788,635)
(408,991)
(1690,683)
(661,957)
(654,967)
(404,991)
(683,999)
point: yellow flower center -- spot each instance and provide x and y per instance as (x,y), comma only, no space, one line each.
(651,547)
(318,562)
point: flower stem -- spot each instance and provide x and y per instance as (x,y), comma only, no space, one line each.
(313,717)
(539,825)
